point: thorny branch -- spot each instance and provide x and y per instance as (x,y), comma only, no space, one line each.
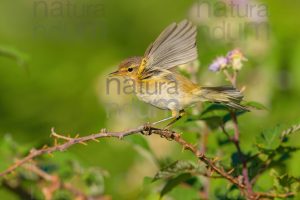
(145,130)
(236,138)
(69,142)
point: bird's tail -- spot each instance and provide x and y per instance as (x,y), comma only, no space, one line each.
(226,95)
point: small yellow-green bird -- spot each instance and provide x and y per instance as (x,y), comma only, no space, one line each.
(156,81)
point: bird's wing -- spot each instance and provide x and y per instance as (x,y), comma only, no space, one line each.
(176,45)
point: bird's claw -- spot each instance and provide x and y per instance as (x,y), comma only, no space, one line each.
(147,129)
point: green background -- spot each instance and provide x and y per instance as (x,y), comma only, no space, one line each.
(68,57)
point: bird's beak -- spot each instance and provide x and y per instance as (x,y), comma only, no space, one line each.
(115,73)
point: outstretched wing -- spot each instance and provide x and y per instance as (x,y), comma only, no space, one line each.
(176,45)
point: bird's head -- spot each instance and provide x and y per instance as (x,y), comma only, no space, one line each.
(128,68)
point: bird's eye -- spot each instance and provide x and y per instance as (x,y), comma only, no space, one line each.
(130,69)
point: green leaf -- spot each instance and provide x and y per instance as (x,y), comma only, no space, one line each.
(139,140)
(256,105)
(215,115)
(269,139)
(176,168)
(224,193)
(284,182)
(228,117)
(212,114)
(141,145)
(213,107)
(147,180)
(256,164)
(184,193)
(174,182)
(94,180)
(62,194)
(19,57)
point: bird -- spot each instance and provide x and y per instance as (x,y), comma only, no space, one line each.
(157,82)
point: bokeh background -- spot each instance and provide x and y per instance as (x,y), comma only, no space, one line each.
(55,56)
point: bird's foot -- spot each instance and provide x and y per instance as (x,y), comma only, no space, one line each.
(147,129)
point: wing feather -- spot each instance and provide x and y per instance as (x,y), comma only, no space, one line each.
(176,45)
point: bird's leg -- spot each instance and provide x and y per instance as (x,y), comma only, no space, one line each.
(177,116)
(148,126)
(163,120)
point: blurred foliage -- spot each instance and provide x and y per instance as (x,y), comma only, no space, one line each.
(66,58)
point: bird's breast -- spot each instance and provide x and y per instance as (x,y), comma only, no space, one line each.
(161,93)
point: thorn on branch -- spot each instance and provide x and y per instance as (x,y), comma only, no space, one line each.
(185,147)
(50,154)
(52,131)
(120,137)
(240,179)
(94,139)
(167,134)
(216,159)
(83,143)
(55,142)
(32,151)
(103,130)
(210,171)
(231,171)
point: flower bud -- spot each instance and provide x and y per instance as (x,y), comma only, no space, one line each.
(235,58)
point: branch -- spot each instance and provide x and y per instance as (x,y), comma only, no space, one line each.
(273,196)
(145,129)
(203,148)
(55,181)
(70,142)
(236,139)
(231,78)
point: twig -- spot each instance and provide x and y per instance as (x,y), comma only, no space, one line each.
(261,171)
(34,169)
(236,138)
(235,141)
(273,195)
(146,130)
(170,135)
(61,147)
(242,158)
(203,148)
(210,163)
(55,181)
(231,79)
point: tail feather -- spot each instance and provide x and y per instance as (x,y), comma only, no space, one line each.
(226,95)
